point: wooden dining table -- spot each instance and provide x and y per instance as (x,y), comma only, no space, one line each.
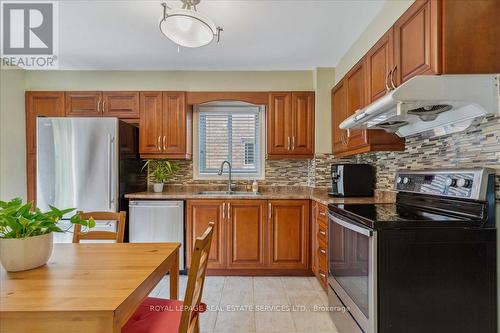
(85,287)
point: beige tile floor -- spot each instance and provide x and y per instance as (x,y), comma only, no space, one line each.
(239,304)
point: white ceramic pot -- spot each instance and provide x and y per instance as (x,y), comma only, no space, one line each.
(158,188)
(21,254)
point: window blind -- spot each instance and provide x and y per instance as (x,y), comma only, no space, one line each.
(233,134)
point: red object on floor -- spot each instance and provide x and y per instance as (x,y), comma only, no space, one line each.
(155,315)
(158,315)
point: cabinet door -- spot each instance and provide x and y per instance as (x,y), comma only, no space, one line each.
(416,33)
(379,62)
(356,99)
(245,233)
(289,234)
(83,104)
(174,124)
(199,214)
(150,128)
(31,177)
(303,123)
(339,114)
(121,104)
(279,124)
(41,104)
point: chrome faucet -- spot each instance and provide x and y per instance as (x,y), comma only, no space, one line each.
(221,170)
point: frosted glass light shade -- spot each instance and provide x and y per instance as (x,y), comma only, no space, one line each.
(188,28)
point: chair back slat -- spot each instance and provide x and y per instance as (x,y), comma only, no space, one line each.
(117,236)
(196,280)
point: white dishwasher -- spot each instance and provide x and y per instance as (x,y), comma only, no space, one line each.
(157,221)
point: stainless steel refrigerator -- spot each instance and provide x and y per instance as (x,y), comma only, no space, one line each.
(87,164)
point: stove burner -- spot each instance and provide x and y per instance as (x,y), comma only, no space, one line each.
(430,112)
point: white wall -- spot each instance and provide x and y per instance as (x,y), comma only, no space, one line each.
(324,79)
(170,80)
(391,11)
(12,134)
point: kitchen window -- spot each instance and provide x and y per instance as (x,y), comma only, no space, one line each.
(232,131)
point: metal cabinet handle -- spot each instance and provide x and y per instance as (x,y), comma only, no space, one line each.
(392,77)
(164,142)
(293,142)
(322,232)
(98,106)
(322,213)
(323,275)
(322,251)
(229,211)
(159,142)
(269,211)
(224,211)
(103,106)
(387,87)
(288,144)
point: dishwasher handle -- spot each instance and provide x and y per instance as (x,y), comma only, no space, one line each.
(155,203)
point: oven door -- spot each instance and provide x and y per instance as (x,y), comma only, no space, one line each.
(352,269)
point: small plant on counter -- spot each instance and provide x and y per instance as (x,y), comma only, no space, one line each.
(26,236)
(159,172)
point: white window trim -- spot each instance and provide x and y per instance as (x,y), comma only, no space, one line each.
(196,152)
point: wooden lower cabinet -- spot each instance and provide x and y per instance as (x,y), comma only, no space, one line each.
(288,233)
(246,233)
(199,214)
(252,236)
(320,242)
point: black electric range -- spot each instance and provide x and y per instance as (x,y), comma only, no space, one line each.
(417,265)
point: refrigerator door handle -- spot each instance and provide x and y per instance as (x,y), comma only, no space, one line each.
(110,170)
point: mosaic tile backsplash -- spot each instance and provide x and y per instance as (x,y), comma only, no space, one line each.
(477,147)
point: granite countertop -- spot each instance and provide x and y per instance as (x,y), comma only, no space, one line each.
(266,193)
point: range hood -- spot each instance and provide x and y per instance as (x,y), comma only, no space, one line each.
(431,104)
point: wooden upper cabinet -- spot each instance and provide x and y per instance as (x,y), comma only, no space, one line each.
(174,124)
(303,123)
(150,123)
(289,233)
(279,124)
(379,64)
(416,41)
(246,233)
(339,113)
(470,37)
(199,214)
(165,125)
(121,104)
(83,103)
(355,82)
(290,125)
(41,104)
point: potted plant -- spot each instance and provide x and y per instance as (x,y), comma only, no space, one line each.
(159,171)
(26,236)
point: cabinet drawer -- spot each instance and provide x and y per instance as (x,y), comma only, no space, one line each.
(322,216)
(322,260)
(322,277)
(321,234)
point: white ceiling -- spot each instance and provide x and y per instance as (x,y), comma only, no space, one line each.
(258,34)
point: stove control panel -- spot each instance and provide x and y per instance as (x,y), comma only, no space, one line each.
(467,184)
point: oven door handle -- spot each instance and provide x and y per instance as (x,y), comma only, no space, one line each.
(351,226)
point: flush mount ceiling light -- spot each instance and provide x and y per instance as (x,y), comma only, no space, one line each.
(187,27)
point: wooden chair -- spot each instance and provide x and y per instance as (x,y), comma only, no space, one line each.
(176,316)
(101,235)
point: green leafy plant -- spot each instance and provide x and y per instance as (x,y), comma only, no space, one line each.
(17,220)
(160,170)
